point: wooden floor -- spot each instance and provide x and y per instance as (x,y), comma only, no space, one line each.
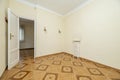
(61,66)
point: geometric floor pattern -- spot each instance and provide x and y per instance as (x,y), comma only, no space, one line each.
(20,75)
(67,69)
(95,71)
(83,78)
(60,66)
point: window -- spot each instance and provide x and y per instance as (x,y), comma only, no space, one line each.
(21,32)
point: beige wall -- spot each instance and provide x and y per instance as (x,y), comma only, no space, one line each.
(46,42)
(28,35)
(97,25)
(50,41)
(3,5)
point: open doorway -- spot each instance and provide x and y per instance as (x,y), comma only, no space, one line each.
(26,39)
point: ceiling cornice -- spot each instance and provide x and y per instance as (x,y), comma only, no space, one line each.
(48,10)
(79,7)
(39,7)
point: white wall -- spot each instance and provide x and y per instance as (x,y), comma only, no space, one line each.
(98,27)
(28,35)
(3,6)
(49,42)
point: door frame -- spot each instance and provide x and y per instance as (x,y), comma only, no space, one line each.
(35,33)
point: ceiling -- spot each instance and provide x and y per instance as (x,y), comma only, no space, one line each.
(59,6)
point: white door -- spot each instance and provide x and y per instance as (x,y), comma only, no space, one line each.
(13,39)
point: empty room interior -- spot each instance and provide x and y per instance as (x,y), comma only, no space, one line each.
(26,39)
(60,40)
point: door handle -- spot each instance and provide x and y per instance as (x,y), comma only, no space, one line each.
(11,36)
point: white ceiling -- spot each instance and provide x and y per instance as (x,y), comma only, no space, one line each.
(59,6)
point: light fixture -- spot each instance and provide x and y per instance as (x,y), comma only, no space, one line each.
(59,31)
(45,29)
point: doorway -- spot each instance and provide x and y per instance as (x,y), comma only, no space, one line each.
(15,37)
(26,39)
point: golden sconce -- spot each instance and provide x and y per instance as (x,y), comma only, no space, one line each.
(59,31)
(45,29)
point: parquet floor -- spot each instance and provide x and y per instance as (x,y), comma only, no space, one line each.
(61,66)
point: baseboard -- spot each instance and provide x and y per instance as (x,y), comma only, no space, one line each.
(3,72)
(50,54)
(93,62)
(80,58)
(27,49)
(101,64)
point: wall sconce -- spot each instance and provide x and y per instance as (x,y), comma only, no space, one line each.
(6,20)
(45,29)
(59,31)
